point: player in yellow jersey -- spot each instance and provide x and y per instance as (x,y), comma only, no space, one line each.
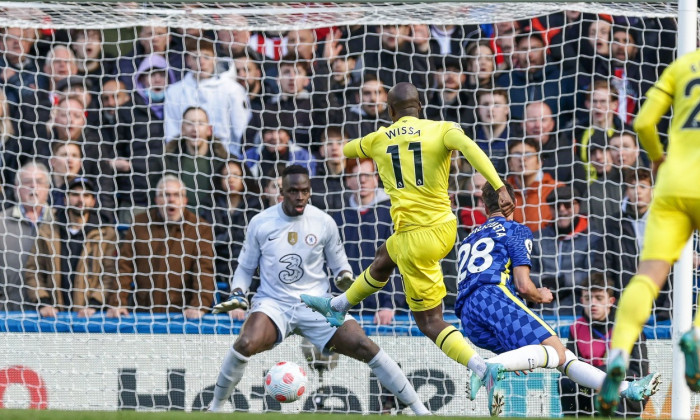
(413,160)
(673,216)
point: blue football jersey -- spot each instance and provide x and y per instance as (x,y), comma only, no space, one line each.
(488,254)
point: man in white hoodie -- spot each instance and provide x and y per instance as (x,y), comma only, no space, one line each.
(226,103)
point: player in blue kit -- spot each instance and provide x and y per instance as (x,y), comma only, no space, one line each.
(494,278)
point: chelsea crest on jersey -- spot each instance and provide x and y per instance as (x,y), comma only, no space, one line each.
(291,253)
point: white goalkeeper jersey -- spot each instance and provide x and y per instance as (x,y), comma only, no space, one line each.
(291,252)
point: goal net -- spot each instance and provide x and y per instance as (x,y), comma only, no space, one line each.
(140,138)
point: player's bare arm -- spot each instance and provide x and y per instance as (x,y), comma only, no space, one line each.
(527,289)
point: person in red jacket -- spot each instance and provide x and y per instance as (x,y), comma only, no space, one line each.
(589,339)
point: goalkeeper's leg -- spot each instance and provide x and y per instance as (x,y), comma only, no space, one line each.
(258,334)
(351,340)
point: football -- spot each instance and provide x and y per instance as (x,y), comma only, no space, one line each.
(286,382)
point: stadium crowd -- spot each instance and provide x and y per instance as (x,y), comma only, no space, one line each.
(129,179)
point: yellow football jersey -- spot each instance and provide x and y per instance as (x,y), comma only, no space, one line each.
(414,165)
(679,85)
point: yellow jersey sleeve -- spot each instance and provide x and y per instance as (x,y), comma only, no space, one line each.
(355,149)
(649,115)
(659,99)
(455,139)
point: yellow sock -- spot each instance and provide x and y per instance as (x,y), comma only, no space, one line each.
(453,344)
(633,312)
(696,321)
(363,286)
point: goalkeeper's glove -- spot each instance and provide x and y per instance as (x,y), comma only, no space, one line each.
(343,281)
(236,301)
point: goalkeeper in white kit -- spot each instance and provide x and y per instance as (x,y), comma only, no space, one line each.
(289,243)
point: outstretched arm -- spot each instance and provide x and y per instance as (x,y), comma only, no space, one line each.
(355,149)
(455,139)
(657,103)
(527,289)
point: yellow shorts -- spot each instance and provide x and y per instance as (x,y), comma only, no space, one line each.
(671,222)
(418,253)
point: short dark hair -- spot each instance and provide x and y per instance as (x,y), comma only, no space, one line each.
(490,197)
(292,59)
(333,131)
(599,281)
(197,45)
(529,35)
(633,176)
(535,144)
(494,92)
(195,108)
(295,170)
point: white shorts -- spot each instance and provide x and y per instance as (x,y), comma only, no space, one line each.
(297,319)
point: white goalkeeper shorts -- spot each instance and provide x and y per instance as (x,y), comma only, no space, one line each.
(297,319)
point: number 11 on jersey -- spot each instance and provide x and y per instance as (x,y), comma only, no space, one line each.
(414,147)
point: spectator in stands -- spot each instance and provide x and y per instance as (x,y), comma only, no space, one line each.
(626,71)
(556,148)
(271,185)
(449,100)
(113,97)
(302,44)
(624,235)
(68,123)
(506,45)
(449,40)
(365,223)
(93,62)
(247,71)
(563,251)
(471,205)
(531,184)
(18,229)
(335,84)
(235,205)
(565,31)
(371,111)
(597,65)
(152,40)
(224,102)
(166,259)
(501,38)
(276,147)
(605,188)
(72,264)
(8,150)
(601,119)
(195,158)
(481,66)
(389,53)
(495,128)
(232,42)
(66,164)
(624,150)
(537,80)
(293,104)
(33,111)
(139,138)
(18,63)
(327,185)
(589,340)
(421,49)
(82,89)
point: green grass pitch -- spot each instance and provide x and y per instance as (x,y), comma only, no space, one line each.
(174,415)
